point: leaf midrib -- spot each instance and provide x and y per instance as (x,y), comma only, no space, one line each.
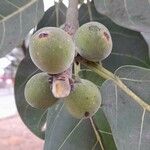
(132,57)
(19,10)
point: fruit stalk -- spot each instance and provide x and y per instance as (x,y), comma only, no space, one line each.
(99,69)
(89,10)
(72,15)
(62,83)
(57,13)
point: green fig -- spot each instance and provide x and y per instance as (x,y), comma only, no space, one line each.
(94,41)
(52,50)
(84,101)
(37,91)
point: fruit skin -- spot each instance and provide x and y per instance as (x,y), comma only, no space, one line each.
(84,101)
(37,91)
(93,41)
(52,50)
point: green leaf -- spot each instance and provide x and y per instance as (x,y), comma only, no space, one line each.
(133,14)
(33,118)
(17,18)
(67,133)
(49,18)
(129,47)
(130,123)
(146,36)
(92,76)
(104,130)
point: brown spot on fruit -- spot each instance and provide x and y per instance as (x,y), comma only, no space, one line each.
(86,114)
(94,28)
(81,102)
(43,35)
(106,35)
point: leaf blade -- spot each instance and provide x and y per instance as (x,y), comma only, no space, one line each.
(69,133)
(33,118)
(17,19)
(125,116)
(130,14)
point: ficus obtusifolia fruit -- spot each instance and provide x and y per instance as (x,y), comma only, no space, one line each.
(52,50)
(94,41)
(84,101)
(37,91)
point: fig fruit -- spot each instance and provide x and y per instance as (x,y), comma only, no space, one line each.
(84,101)
(52,50)
(93,41)
(37,91)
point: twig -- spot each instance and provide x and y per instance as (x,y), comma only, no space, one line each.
(57,13)
(72,15)
(89,10)
(63,83)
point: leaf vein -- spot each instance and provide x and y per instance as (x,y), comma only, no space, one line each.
(38,124)
(134,80)
(36,18)
(94,146)
(128,15)
(141,129)
(12,4)
(3,36)
(133,57)
(19,10)
(105,132)
(52,127)
(116,111)
(70,134)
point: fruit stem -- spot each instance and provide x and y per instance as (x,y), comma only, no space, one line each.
(72,15)
(106,74)
(89,10)
(97,134)
(57,13)
(76,68)
(61,85)
(73,23)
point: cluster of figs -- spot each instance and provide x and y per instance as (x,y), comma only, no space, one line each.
(53,51)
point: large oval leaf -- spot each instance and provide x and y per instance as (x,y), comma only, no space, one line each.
(49,18)
(68,133)
(33,118)
(130,123)
(133,14)
(17,18)
(129,47)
